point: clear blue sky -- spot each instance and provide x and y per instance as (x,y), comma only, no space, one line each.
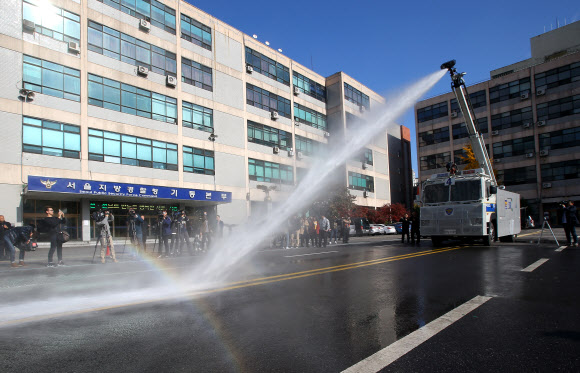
(388,44)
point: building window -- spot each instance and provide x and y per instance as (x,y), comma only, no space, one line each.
(431,162)
(365,156)
(513,147)
(561,139)
(269,136)
(270,172)
(309,117)
(559,108)
(517,176)
(195,32)
(509,90)
(158,14)
(114,147)
(51,79)
(301,174)
(113,95)
(432,112)
(268,101)
(196,74)
(436,136)
(361,182)
(460,129)
(459,156)
(50,138)
(308,146)
(198,161)
(309,87)
(51,21)
(561,170)
(123,47)
(197,117)
(477,99)
(514,118)
(558,76)
(355,96)
(267,66)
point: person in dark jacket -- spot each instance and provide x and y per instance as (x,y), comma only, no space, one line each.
(165,233)
(345,229)
(52,225)
(415,224)
(4,226)
(405,228)
(16,236)
(570,224)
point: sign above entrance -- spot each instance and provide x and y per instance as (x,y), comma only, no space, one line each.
(106,188)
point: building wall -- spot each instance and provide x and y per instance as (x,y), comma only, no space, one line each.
(227,99)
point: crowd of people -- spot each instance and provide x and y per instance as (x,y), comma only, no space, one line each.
(301,231)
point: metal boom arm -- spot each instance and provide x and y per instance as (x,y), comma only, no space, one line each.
(477,143)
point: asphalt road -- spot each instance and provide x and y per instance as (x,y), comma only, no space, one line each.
(372,305)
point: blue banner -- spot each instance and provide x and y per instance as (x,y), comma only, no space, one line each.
(111,189)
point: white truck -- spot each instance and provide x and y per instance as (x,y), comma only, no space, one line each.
(469,203)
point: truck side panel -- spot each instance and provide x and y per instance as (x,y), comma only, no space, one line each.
(508,213)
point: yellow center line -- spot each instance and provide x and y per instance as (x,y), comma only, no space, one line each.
(237,285)
(528,234)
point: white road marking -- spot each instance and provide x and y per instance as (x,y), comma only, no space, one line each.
(561,248)
(386,356)
(531,267)
(325,252)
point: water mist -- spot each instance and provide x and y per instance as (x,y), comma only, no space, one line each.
(226,256)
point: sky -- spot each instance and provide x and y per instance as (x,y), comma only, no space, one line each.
(387,45)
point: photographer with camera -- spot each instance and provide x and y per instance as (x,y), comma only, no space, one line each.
(20,237)
(135,229)
(165,233)
(569,221)
(50,224)
(105,235)
(182,233)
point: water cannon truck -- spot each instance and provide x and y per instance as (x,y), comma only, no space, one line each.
(468,204)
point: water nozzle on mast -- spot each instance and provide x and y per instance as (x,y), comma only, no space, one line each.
(456,77)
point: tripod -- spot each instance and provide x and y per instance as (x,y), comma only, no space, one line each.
(550,228)
(158,237)
(132,234)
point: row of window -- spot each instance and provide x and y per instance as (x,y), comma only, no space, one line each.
(561,139)
(355,96)
(432,112)
(558,76)
(559,108)
(158,14)
(51,79)
(114,44)
(195,32)
(309,117)
(267,66)
(309,86)
(477,99)
(196,74)
(51,21)
(435,136)
(509,119)
(361,182)
(510,148)
(308,146)
(270,172)
(269,136)
(434,161)
(459,130)
(268,101)
(113,95)
(509,90)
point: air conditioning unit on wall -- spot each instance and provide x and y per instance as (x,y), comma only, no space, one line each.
(249,69)
(275,115)
(171,81)
(74,47)
(144,25)
(276,150)
(142,70)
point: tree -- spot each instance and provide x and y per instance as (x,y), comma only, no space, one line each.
(386,214)
(471,161)
(336,204)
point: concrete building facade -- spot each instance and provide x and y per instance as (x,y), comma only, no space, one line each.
(529,115)
(158,105)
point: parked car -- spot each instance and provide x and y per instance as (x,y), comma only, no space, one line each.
(361,226)
(399,227)
(376,229)
(389,229)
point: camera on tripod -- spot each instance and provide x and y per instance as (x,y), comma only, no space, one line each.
(98,215)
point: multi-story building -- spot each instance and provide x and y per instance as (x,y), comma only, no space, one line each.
(529,115)
(158,105)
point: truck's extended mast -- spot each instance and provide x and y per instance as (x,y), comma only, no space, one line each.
(477,144)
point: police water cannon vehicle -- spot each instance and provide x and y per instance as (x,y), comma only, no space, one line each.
(468,203)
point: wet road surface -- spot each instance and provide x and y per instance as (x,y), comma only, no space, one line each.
(302,310)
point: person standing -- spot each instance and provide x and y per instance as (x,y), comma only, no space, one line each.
(165,233)
(183,234)
(105,236)
(316,232)
(219,226)
(51,224)
(345,229)
(4,249)
(405,228)
(305,233)
(571,221)
(135,228)
(415,225)
(324,230)
(205,233)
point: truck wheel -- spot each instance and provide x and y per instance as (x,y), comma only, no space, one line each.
(487,240)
